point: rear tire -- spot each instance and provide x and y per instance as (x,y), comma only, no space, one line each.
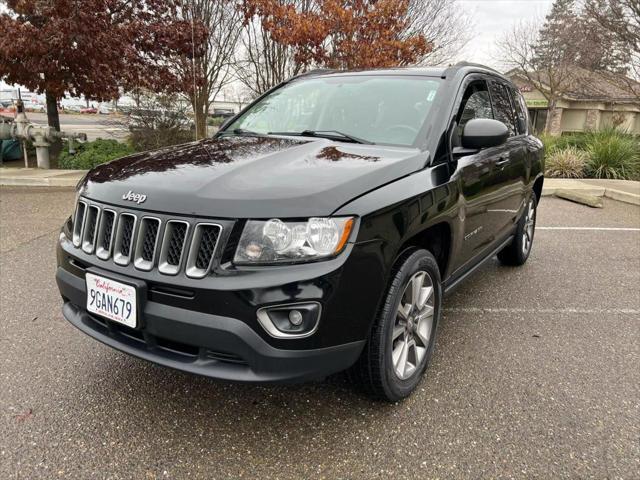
(518,251)
(403,335)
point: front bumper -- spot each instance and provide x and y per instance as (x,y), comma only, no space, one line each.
(203,343)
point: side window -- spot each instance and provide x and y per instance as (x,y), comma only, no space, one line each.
(476,103)
(522,115)
(504,109)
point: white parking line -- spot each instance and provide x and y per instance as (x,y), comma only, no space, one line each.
(544,310)
(605,229)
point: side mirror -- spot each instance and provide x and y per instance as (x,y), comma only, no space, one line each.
(482,133)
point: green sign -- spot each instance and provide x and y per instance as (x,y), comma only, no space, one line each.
(531,103)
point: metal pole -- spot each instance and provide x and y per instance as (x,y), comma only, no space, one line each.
(25,155)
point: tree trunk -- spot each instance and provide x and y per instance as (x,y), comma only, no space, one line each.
(200,106)
(53,119)
(201,122)
(549,120)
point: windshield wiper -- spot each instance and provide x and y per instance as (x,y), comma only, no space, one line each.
(331,134)
(241,131)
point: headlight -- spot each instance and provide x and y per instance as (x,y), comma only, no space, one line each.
(275,241)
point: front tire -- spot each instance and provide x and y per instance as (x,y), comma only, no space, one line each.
(517,252)
(403,335)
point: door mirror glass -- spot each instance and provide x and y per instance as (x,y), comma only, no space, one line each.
(482,133)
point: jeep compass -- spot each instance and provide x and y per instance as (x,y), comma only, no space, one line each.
(318,231)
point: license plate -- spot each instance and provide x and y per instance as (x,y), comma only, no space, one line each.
(113,300)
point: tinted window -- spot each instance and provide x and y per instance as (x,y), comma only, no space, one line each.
(475,104)
(521,111)
(503,108)
(381,109)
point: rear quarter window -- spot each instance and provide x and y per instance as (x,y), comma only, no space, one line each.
(503,107)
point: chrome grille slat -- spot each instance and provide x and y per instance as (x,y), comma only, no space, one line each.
(148,235)
(105,234)
(173,247)
(90,228)
(147,242)
(78,223)
(202,249)
(124,238)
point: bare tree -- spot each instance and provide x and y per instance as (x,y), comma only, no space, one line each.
(444,24)
(546,65)
(621,18)
(262,62)
(210,67)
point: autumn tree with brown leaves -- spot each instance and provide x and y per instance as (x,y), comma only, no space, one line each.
(91,47)
(343,34)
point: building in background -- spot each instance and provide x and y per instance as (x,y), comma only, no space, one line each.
(593,101)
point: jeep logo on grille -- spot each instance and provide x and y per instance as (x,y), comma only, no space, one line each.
(134,197)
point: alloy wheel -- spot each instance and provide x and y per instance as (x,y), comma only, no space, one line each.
(413,325)
(529,223)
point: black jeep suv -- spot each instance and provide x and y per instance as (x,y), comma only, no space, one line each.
(317,232)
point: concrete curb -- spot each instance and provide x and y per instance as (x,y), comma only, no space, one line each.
(603,188)
(621,196)
(34,177)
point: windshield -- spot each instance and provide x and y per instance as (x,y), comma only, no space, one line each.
(380,109)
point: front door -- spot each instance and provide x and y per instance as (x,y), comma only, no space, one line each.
(482,180)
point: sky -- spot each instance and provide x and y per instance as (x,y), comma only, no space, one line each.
(491,19)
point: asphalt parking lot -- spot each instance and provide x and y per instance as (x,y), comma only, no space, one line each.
(536,374)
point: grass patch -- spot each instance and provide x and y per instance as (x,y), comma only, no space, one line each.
(90,154)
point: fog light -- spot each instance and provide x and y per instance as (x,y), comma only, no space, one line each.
(295,317)
(296,320)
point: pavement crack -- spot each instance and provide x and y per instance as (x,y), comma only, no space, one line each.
(35,239)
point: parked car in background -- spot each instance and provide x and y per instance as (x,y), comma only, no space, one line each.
(223,113)
(89,110)
(318,231)
(73,108)
(35,107)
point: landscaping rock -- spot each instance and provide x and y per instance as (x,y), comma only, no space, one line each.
(579,197)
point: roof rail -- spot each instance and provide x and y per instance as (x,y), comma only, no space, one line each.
(316,71)
(459,65)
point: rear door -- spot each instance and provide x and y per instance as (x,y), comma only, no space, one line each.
(510,165)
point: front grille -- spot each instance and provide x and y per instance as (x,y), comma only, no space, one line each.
(149,242)
(78,223)
(91,225)
(109,220)
(176,243)
(203,246)
(207,246)
(126,237)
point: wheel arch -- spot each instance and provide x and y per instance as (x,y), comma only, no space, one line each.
(537,187)
(436,239)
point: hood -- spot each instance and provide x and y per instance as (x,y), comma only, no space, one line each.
(250,177)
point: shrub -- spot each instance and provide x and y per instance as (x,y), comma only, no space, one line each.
(555,143)
(215,121)
(613,154)
(90,154)
(142,139)
(567,163)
